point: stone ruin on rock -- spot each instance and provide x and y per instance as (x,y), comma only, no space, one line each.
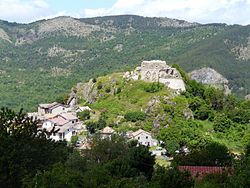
(156,70)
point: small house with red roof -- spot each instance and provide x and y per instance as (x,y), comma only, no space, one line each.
(65,124)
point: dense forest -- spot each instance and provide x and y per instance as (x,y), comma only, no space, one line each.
(41,60)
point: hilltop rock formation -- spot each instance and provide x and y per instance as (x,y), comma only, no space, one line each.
(210,77)
(4,35)
(156,70)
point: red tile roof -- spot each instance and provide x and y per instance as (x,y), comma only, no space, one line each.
(59,121)
(200,171)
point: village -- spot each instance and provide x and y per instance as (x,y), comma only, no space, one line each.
(69,122)
(64,121)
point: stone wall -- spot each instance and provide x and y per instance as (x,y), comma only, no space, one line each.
(156,70)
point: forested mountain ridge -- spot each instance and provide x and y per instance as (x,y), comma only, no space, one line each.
(41,60)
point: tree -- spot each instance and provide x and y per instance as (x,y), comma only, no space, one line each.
(213,154)
(222,123)
(135,116)
(141,159)
(25,149)
(84,115)
(172,178)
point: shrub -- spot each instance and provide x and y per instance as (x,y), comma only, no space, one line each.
(135,116)
(99,86)
(74,139)
(107,90)
(94,80)
(153,87)
(84,115)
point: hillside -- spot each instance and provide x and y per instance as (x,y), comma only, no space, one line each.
(199,115)
(41,60)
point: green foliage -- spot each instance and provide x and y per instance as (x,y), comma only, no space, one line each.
(213,154)
(94,80)
(153,87)
(107,90)
(84,115)
(62,98)
(171,177)
(182,133)
(74,139)
(241,174)
(222,123)
(135,116)
(25,149)
(100,124)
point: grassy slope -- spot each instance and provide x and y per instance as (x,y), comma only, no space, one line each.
(133,97)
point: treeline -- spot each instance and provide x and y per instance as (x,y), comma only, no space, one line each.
(29,159)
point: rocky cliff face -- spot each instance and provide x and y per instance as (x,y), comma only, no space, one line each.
(210,77)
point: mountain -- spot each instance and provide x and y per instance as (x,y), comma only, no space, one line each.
(41,60)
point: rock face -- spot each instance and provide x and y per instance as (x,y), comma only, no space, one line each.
(247,97)
(4,35)
(210,77)
(156,70)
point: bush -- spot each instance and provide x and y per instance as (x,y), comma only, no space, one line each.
(107,90)
(94,80)
(84,115)
(74,139)
(153,87)
(222,123)
(99,86)
(135,116)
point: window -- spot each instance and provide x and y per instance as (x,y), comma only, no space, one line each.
(73,121)
(138,138)
(63,108)
(54,134)
(146,137)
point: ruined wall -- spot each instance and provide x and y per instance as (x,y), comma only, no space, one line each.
(156,70)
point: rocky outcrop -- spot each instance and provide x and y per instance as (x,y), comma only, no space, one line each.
(210,77)
(88,91)
(247,97)
(68,26)
(4,35)
(242,52)
(157,71)
(65,26)
(167,22)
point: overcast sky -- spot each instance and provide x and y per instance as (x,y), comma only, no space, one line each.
(202,11)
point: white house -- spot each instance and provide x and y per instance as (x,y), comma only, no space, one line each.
(69,117)
(65,122)
(107,132)
(51,108)
(144,138)
(83,108)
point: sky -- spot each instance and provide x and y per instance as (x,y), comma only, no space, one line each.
(201,11)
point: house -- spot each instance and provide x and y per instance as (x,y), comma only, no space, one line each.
(83,108)
(107,132)
(65,123)
(69,116)
(143,138)
(51,108)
